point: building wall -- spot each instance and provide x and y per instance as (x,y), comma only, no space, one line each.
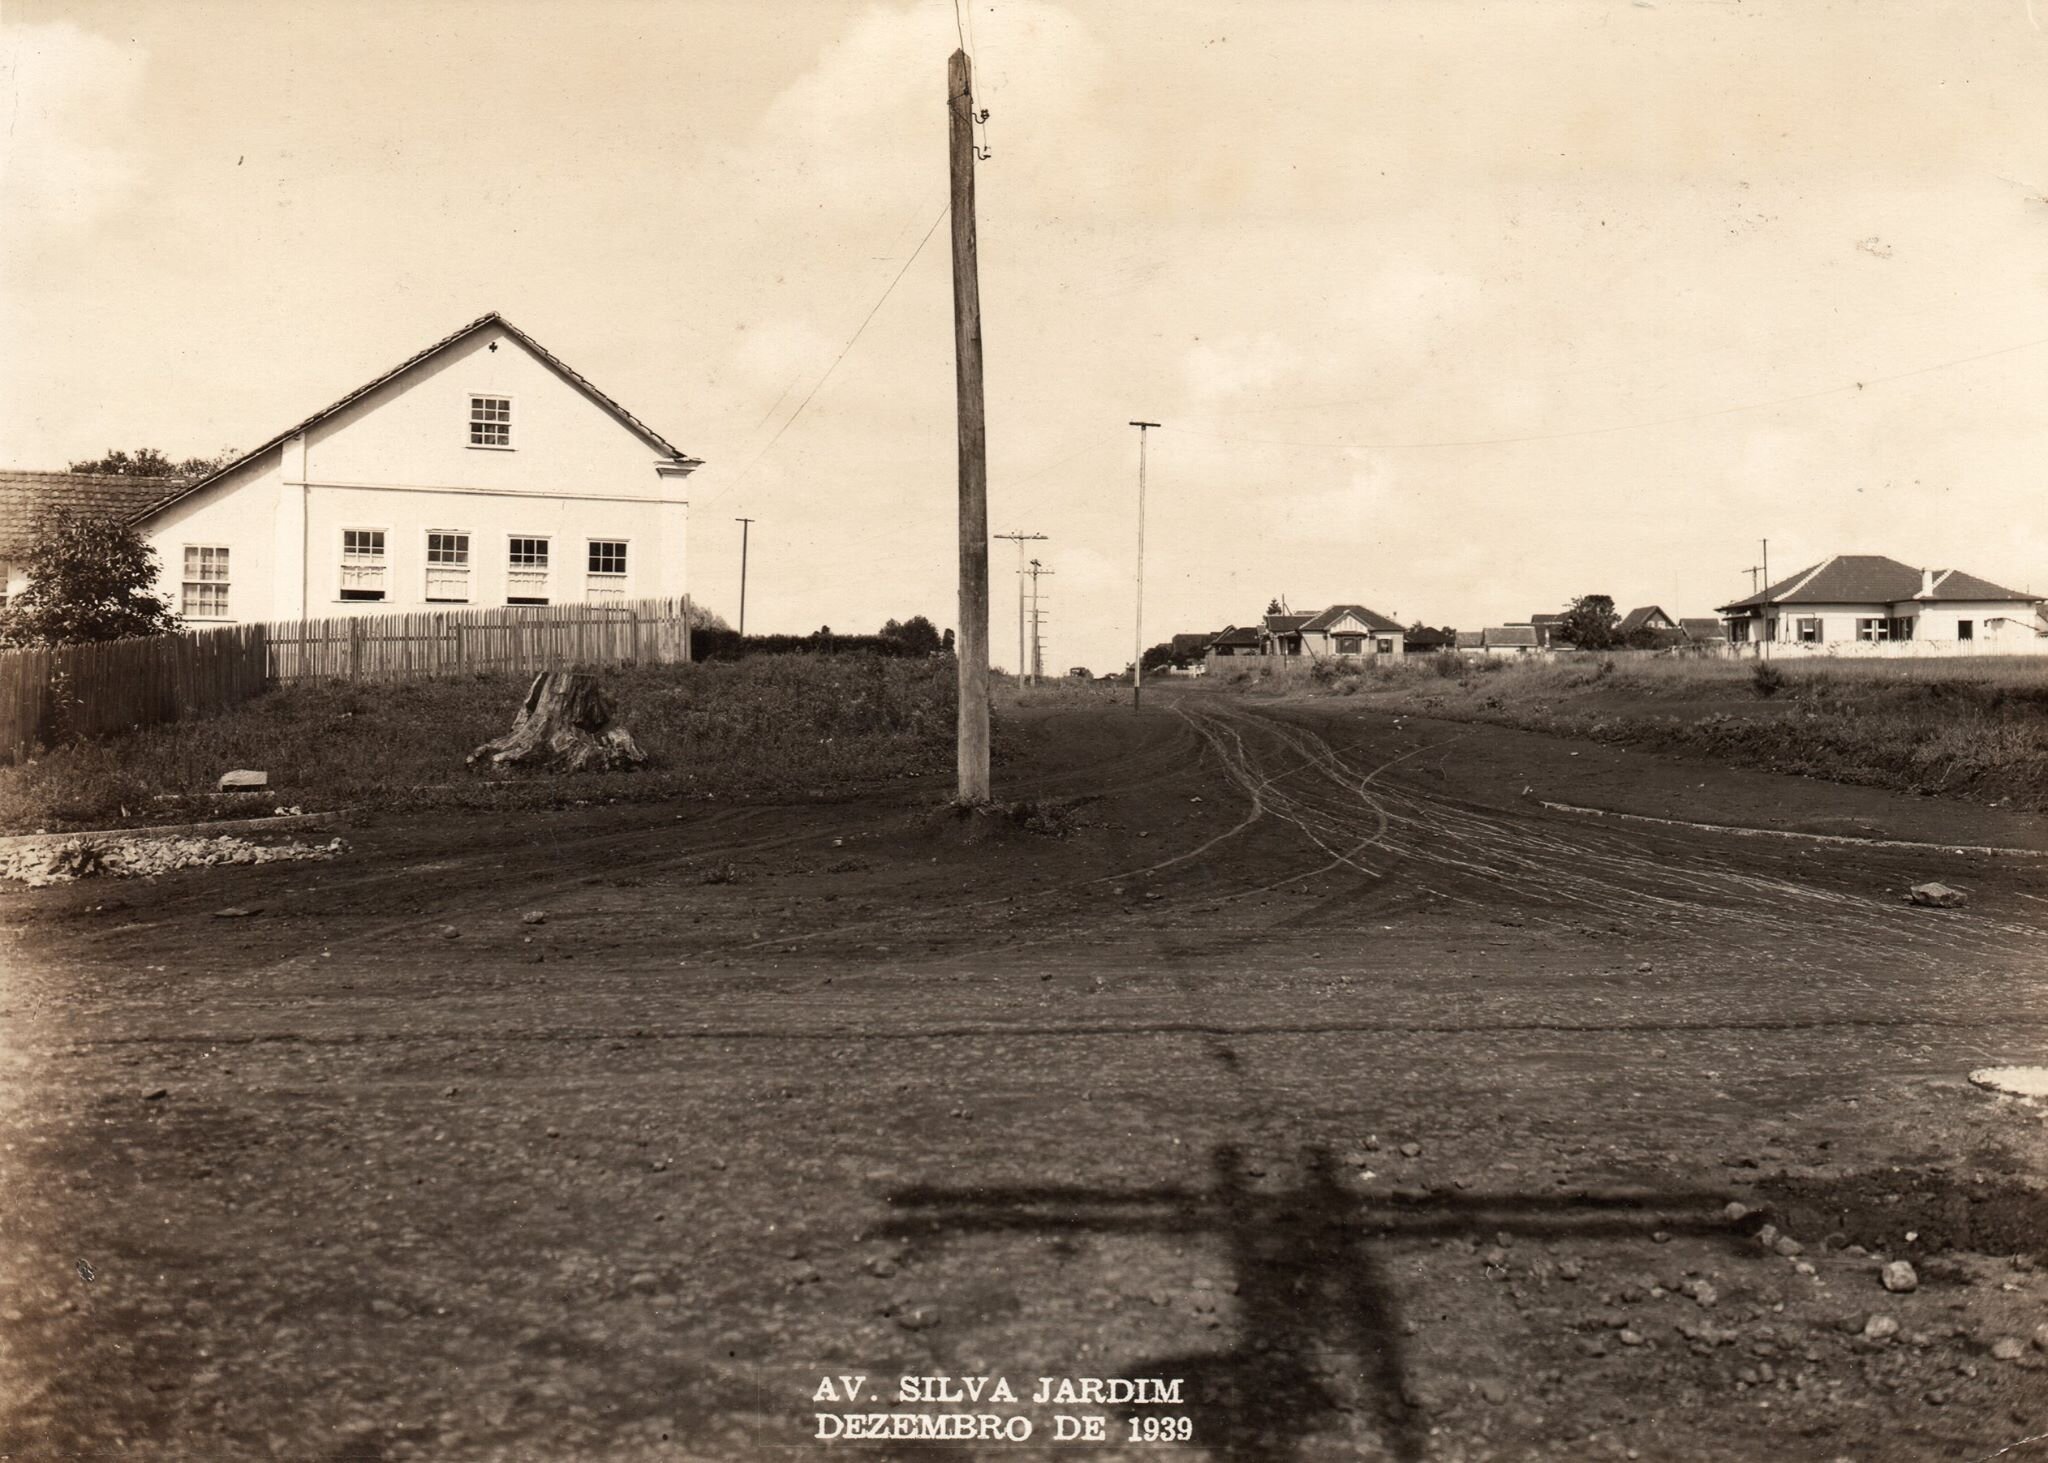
(2001,628)
(400,461)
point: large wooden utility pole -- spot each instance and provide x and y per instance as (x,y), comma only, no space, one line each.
(972,751)
(1138,627)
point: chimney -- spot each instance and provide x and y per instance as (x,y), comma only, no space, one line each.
(1926,584)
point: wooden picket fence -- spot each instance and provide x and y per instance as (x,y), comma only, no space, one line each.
(48,696)
(502,638)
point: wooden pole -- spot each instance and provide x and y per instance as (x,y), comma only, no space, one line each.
(1138,618)
(746,528)
(972,750)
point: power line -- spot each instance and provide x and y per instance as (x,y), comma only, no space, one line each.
(851,341)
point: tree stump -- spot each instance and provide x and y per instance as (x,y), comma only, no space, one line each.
(564,725)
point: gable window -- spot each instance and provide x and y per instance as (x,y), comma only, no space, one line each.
(1350,644)
(1808,630)
(607,568)
(447,568)
(362,563)
(205,595)
(490,421)
(526,571)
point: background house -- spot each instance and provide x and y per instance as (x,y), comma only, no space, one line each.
(1351,630)
(1646,617)
(482,471)
(23,495)
(1870,604)
(1236,640)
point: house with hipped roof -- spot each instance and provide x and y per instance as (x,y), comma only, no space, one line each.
(1870,604)
(481,471)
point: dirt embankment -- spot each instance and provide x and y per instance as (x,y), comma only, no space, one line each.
(1969,730)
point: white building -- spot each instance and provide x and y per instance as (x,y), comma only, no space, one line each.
(483,471)
(1866,604)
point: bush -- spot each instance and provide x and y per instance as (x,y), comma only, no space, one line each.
(1766,679)
(1448,664)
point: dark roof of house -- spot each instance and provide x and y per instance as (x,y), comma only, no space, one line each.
(1509,635)
(1873,579)
(1699,627)
(1286,624)
(23,495)
(1370,618)
(1471,639)
(483,322)
(1428,639)
(1545,619)
(1238,635)
(1193,644)
(1635,619)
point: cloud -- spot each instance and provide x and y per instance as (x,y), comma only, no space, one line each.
(68,94)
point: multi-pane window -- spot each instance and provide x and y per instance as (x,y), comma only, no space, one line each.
(526,571)
(205,594)
(448,567)
(607,568)
(1808,628)
(1350,644)
(490,421)
(1385,645)
(1885,629)
(362,563)
(6,581)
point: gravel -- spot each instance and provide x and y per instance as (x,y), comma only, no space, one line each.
(42,863)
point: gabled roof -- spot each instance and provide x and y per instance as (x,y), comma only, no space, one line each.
(1286,624)
(1699,627)
(1637,618)
(23,495)
(1873,579)
(1369,618)
(1238,635)
(1471,639)
(1517,635)
(1429,639)
(483,322)
(1545,619)
(1194,644)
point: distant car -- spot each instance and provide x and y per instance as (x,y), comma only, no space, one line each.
(1082,672)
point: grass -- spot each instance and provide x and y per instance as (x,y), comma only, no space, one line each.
(1975,728)
(772,725)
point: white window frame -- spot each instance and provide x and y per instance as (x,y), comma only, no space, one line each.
(448,571)
(1383,645)
(511,422)
(6,582)
(384,568)
(187,580)
(603,584)
(1807,629)
(528,576)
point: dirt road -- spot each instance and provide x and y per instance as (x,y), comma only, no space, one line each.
(1332,1068)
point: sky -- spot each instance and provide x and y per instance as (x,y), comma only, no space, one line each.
(1449,308)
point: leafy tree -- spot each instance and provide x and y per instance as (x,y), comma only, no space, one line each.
(700,618)
(946,643)
(1590,623)
(918,634)
(148,462)
(89,577)
(1159,655)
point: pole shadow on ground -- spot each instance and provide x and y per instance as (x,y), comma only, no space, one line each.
(1311,1285)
